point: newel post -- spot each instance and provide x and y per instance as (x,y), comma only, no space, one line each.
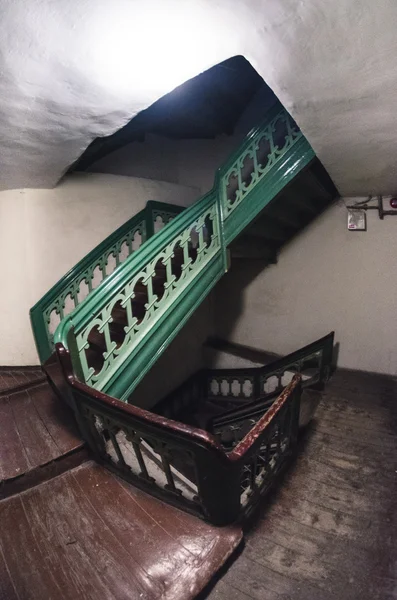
(149,221)
(219,488)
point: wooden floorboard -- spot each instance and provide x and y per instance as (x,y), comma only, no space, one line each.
(327,532)
(57,418)
(88,535)
(329,529)
(13,459)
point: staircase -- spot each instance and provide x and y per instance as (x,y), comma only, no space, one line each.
(103,326)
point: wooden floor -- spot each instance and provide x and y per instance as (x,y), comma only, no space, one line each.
(88,535)
(39,438)
(329,530)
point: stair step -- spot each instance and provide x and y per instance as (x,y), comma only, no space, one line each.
(314,189)
(301,200)
(286,217)
(39,438)
(14,378)
(250,410)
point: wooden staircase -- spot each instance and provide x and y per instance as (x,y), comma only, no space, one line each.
(97,339)
(74,528)
(327,532)
(39,436)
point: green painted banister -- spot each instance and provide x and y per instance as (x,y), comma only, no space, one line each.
(73,288)
(268,159)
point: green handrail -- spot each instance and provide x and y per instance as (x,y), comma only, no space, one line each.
(73,288)
(268,159)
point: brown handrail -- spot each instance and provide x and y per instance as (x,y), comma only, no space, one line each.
(199,435)
(252,436)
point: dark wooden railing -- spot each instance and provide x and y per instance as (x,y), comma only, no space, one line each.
(183,465)
(244,387)
(313,362)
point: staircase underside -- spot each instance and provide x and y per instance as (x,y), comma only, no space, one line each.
(293,209)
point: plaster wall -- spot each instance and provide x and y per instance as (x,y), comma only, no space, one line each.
(43,233)
(72,71)
(327,278)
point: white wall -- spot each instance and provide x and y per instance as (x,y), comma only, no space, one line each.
(43,233)
(328,278)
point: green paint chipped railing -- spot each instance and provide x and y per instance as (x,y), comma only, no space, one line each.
(123,326)
(95,267)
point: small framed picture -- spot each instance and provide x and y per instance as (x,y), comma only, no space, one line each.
(356,220)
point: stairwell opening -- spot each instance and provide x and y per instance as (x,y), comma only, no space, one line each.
(183,138)
(185,135)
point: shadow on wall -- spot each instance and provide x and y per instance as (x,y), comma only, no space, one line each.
(230,306)
(232,287)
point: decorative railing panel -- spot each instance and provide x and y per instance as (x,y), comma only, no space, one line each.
(265,147)
(228,384)
(313,362)
(87,275)
(229,402)
(270,440)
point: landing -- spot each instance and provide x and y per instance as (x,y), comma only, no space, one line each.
(87,534)
(330,529)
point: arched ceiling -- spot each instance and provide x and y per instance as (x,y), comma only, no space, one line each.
(76,70)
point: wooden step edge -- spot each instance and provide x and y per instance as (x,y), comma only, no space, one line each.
(41,474)
(23,386)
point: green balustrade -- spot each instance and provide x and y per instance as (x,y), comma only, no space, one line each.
(74,287)
(176,268)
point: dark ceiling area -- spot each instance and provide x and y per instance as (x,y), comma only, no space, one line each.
(203,107)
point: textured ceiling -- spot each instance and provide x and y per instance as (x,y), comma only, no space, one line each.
(76,70)
(208,105)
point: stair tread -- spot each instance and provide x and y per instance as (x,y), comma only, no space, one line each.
(14,378)
(36,428)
